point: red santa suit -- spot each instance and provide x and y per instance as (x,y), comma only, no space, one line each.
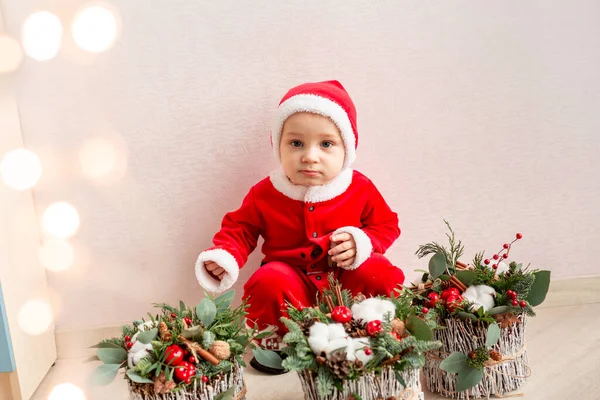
(297,223)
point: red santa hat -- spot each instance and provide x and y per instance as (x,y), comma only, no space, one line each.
(329,99)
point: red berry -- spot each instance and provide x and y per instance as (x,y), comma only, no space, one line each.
(424,310)
(181,373)
(128,345)
(505,245)
(173,355)
(395,335)
(515,303)
(495,266)
(433,298)
(128,338)
(188,321)
(374,327)
(523,304)
(486,261)
(519,236)
(188,380)
(205,379)
(509,293)
(173,315)
(505,255)
(368,351)
(341,314)
(495,257)
(192,359)
(451,291)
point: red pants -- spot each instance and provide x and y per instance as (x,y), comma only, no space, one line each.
(276,283)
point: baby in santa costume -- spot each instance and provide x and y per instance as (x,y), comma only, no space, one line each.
(316,215)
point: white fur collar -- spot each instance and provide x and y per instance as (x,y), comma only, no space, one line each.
(311,194)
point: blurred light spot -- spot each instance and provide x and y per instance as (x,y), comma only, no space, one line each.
(21,169)
(94,29)
(42,35)
(11,54)
(104,159)
(60,220)
(66,391)
(35,317)
(56,255)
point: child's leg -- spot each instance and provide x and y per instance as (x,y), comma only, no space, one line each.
(376,276)
(267,292)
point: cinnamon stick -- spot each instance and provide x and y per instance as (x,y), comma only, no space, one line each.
(461,265)
(197,350)
(329,303)
(338,293)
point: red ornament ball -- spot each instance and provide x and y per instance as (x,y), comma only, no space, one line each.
(374,327)
(341,314)
(453,302)
(192,359)
(174,355)
(451,291)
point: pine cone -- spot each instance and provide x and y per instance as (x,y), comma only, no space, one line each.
(496,356)
(306,324)
(161,386)
(164,333)
(356,328)
(338,365)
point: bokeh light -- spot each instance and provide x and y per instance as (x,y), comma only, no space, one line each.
(56,255)
(11,54)
(42,35)
(35,317)
(104,159)
(60,220)
(95,29)
(21,169)
(66,391)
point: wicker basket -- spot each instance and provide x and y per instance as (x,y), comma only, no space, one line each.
(464,336)
(200,391)
(368,387)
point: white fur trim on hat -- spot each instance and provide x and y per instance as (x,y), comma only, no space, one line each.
(311,194)
(317,105)
(226,261)
(364,248)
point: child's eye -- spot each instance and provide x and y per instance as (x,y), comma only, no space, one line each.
(296,143)
(327,144)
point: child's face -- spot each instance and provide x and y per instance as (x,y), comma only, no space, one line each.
(311,148)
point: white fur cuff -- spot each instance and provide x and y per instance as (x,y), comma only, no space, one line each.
(364,248)
(225,261)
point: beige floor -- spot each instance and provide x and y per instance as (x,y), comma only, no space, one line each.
(563,347)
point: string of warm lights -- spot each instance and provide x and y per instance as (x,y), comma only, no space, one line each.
(94,29)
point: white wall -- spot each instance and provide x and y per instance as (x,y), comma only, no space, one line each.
(483,113)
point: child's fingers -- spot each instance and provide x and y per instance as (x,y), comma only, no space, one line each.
(341,237)
(344,256)
(211,265)
(341,248)
(346,263)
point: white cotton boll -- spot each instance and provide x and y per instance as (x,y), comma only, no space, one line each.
(142,328)
(359,346)
(336,345)
(337,331)
(137,346)
(139,355)
(481,296)
(318,337)
(373,309)
(502,268)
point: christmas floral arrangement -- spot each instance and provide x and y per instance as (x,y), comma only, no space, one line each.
(349,348)
(482,309)
(181,353)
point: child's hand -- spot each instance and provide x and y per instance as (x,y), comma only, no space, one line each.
(214,269)
(343,252)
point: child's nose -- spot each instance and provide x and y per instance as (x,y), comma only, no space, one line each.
(311,155)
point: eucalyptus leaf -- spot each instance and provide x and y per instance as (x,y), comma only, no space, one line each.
(466,315)
(193,332)
(445,277)
(539,289)
(268,358)
(493,335)
(135,377)
(106,345)
(467,378)
(206,311)
(224,301)
(465,277)
(105,374)
(437,265)
(418,328)
(454,363)
(181,306)
(148,336)
(498,310)
(227,395)
(112,356)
